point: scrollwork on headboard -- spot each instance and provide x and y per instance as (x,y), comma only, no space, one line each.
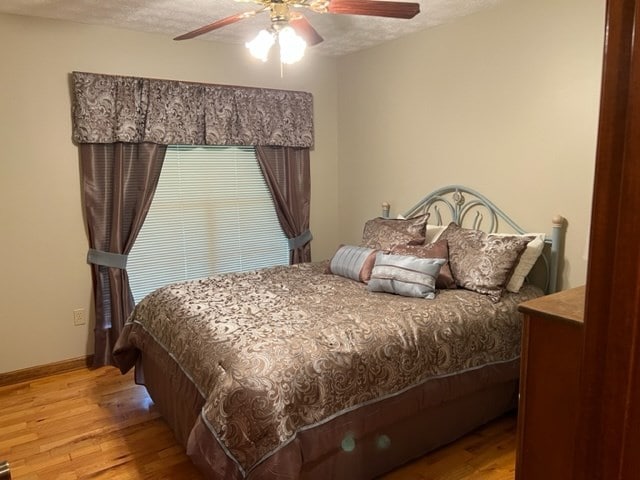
(471,209)
(463,206)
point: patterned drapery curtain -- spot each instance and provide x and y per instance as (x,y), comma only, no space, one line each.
(123,125)
(118,183)
(286,171)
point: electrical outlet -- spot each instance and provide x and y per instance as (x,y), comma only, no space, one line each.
(78,317)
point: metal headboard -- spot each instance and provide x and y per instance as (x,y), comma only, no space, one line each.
(471,209)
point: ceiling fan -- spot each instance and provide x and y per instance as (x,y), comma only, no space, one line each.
(293,30)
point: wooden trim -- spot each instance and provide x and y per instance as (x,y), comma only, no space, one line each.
(32,373)
(609,406)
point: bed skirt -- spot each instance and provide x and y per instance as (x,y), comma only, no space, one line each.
(361,443)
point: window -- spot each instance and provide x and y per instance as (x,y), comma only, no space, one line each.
(212,213)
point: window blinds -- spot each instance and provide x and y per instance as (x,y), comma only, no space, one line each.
(212,213)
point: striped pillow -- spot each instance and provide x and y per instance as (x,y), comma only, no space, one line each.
(352,262)
(405,275)
(437,249)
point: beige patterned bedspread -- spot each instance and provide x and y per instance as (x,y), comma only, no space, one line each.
(279,349)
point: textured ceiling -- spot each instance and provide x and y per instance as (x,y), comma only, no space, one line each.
(342,33)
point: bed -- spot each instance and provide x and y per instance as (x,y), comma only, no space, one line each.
(316,371)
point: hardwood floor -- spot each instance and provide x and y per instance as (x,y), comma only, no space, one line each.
(98,424)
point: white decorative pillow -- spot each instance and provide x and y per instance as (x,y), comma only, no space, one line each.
(527,259)
(353,262)
(404,275)
(433,233)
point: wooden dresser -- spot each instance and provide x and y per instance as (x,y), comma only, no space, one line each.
(549,382)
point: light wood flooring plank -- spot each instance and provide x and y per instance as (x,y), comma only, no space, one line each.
(97,424)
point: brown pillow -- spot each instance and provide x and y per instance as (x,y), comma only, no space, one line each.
(482,262)
(437,249)
(382,233)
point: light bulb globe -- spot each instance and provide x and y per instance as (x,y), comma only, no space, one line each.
(292,46)
(259,47)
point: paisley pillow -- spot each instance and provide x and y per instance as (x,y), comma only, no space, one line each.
(482,262)
(527,260)
(382,233)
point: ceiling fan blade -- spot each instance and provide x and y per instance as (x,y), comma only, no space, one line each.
(376,8)
(303,28)
(219,24)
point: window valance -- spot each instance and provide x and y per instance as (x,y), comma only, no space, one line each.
(110,108)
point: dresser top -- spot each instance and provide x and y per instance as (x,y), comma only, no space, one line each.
(566,305)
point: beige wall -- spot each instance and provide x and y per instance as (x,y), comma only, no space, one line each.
(43,244)
(504,101)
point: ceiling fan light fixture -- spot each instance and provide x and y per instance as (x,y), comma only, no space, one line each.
(292,28)
(292,46)
(259,47)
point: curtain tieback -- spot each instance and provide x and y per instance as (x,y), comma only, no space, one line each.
(107,259)
(300,241)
